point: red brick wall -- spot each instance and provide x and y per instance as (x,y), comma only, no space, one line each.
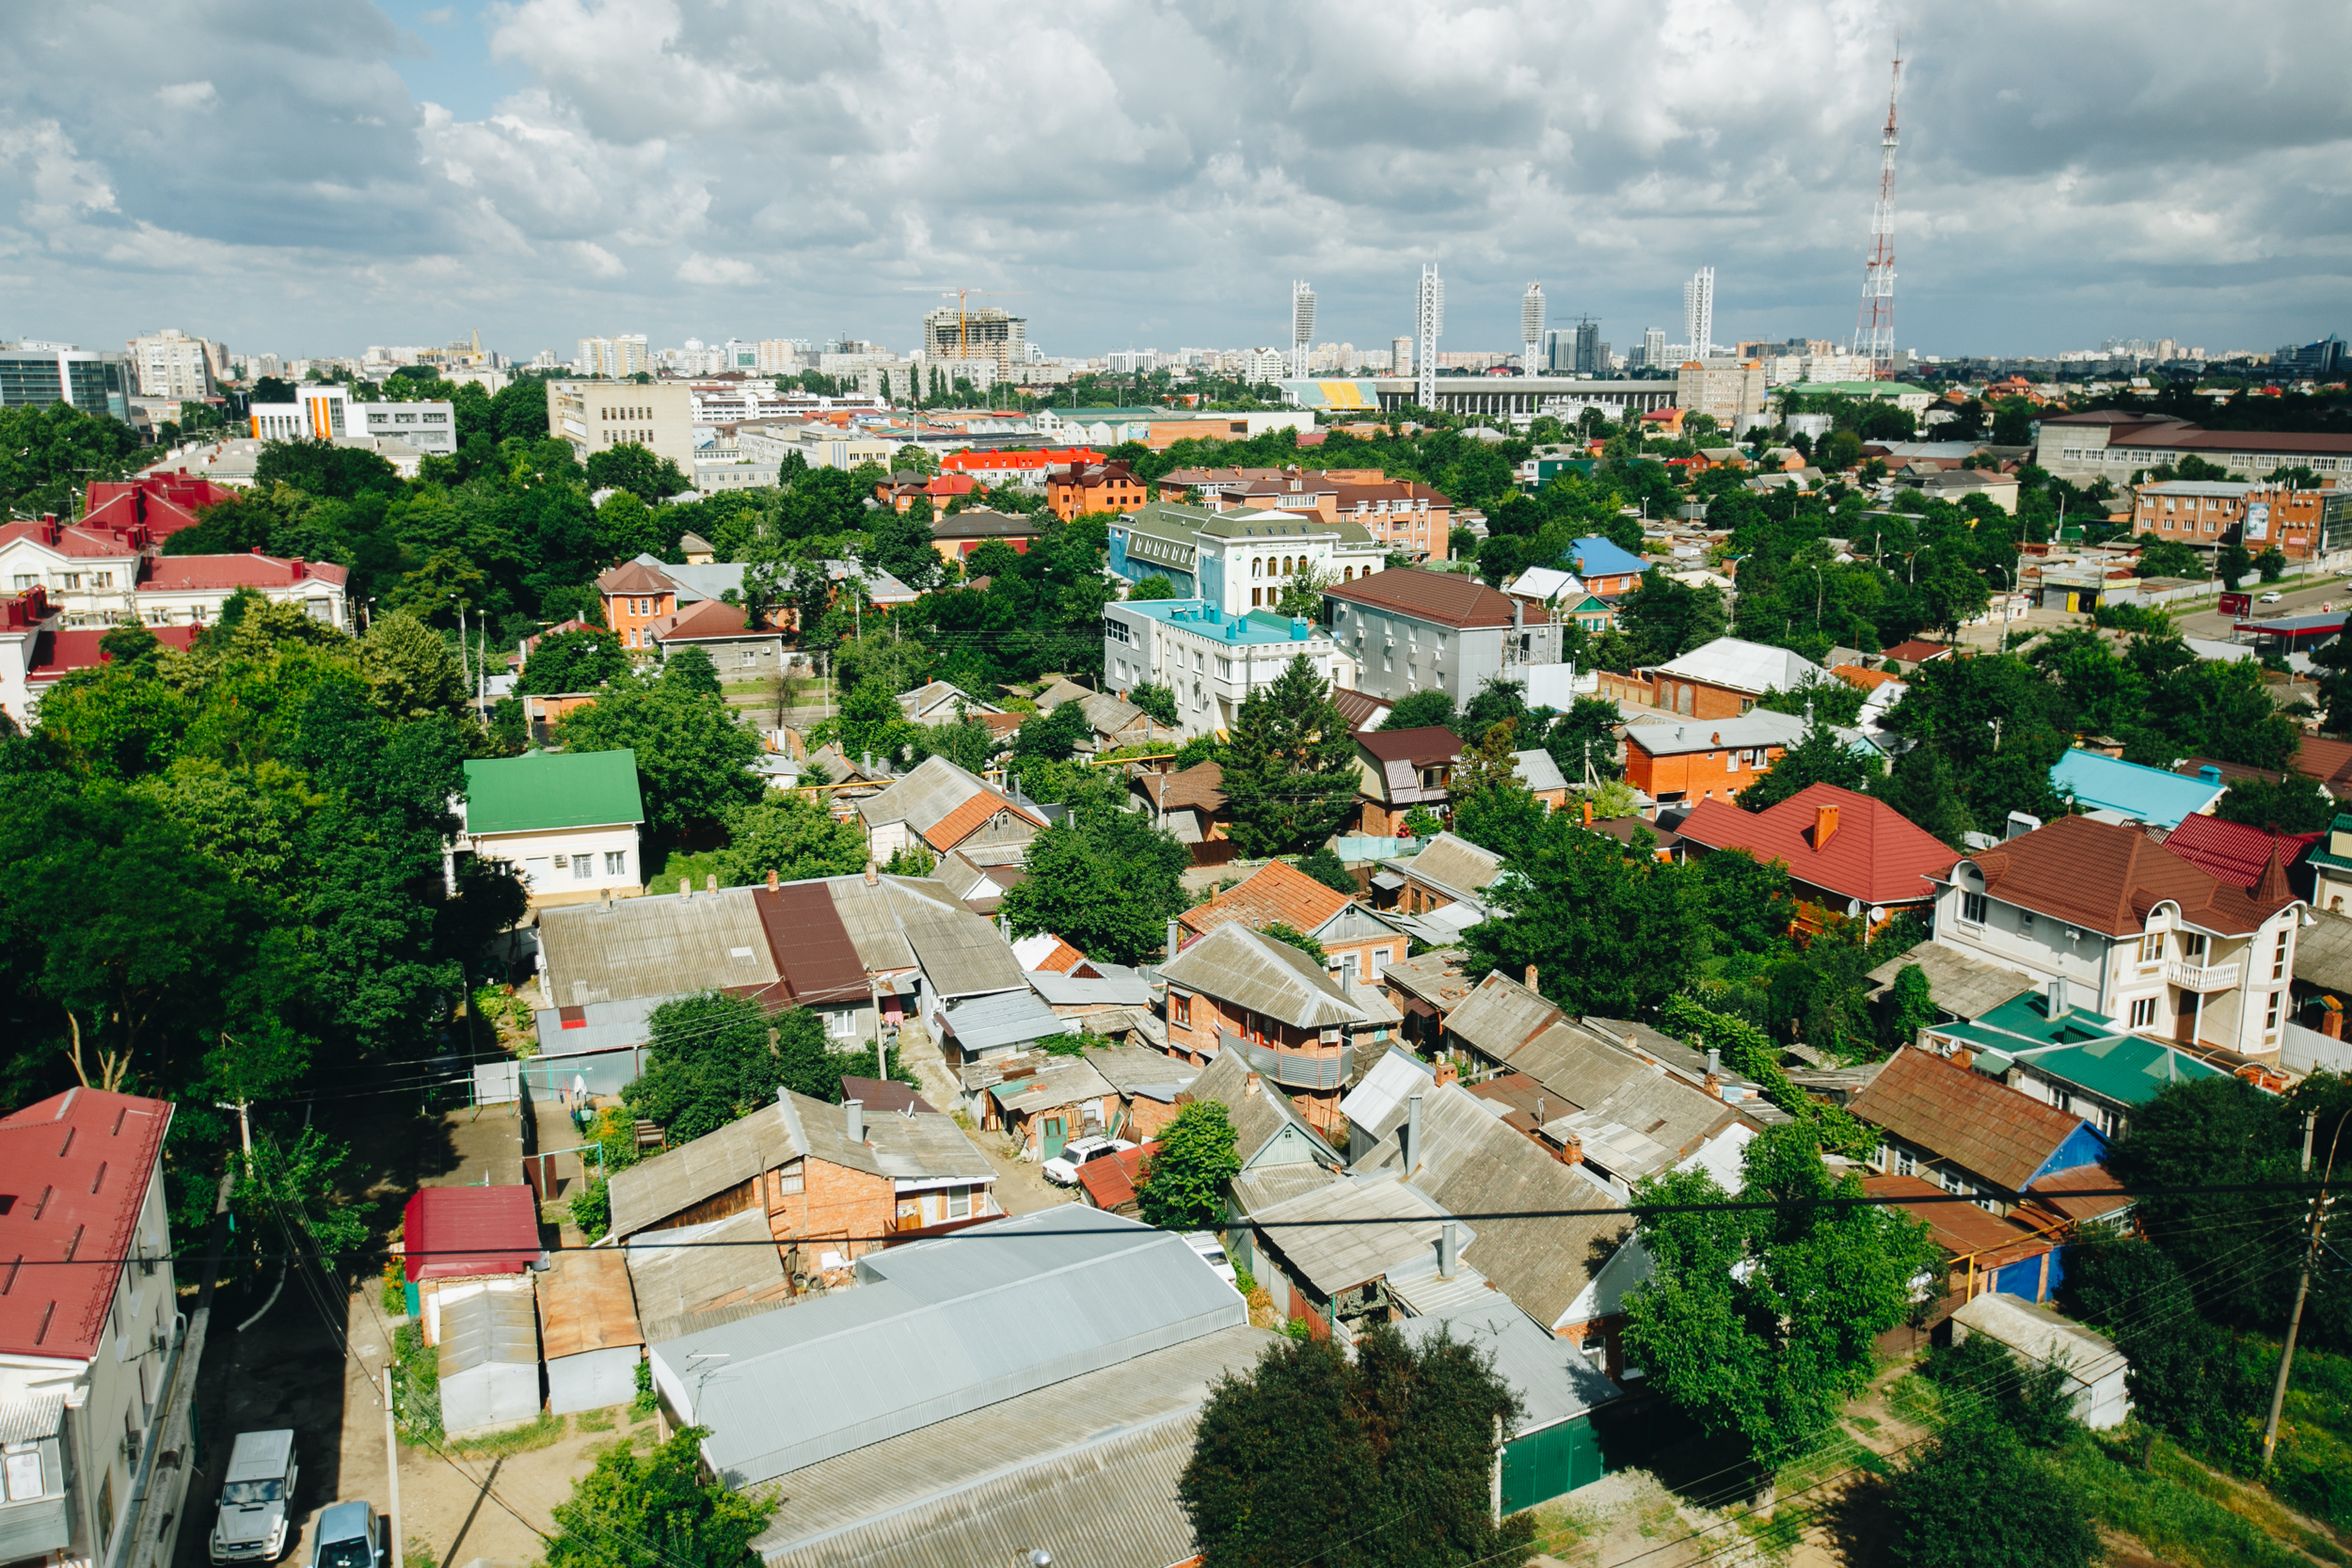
(1147,1119)
(835,1202)
(1695,774)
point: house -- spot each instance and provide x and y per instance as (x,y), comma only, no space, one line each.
(1963,988)
(2238,852)
(1041,1101)
(1679,763)
(1846,853)
(1110,1184)
(191,589)
(1236,991)
(2112,790)
(2141,935)
(2097,1373)
(1425,989)
(1969,1133)
(1356,942)
(1269,1133)
(2073,1059)
(1189,804)
(1085,487)
(1153,1086)
(162,503)
(943,807)
(1362,709)
(1446,872)
(458,1242)
(998,1025)
(1379,1100)
(828,1178)
(92,1380)
(1209,659)
(1407,631)
(1541,775)
(1403,771)
(2022,1252)
(1722,679)
(567,821)
(88,572)
(36,653)
(969,1399)
(638,595)
(901,490)
(1553,1447)
(1115,722)
(1086,992)
(693,1275)
(739,649)
(1607,569)
(940,703)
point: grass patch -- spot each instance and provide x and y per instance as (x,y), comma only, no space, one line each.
(415,1387)
(544,1432)
(698,867)
(2170,1517)
(600,1420)
(1561,1530)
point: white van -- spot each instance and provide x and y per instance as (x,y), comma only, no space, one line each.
(255,1498)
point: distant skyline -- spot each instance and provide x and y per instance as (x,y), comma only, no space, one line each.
(308,178)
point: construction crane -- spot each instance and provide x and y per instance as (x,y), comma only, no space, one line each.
(959,294)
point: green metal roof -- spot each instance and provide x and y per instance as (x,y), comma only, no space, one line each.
(2125,1069)
(2027,1016)
(552,789)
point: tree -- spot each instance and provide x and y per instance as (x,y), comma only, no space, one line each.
(1924,788)
(1184,1185)
(410,670)
(1290,772)
(571,661)
(966,742)
(1430,709)
(633,467)
(1283,931)
(1586,732)
(1105,880)
(1054,736)
(793,837)
(1492,806)
(1157,702)
(628,1511)
(1977,1498)
(1387,1458)
(1612,934)
(1908,1007)
(1667,619)
(694,759)
(2169,558)
(1821,757)
(1326,867)
(2291,803)
(1152,587)
(2231,563)
(1758,1324)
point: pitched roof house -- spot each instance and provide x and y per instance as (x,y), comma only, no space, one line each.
(1402,771)
(1846,851)
(945,807)
(1355,941)
(568,821)
(1190,805)
(1969,1134)
(1237,991)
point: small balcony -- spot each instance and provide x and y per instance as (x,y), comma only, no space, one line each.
(2201,978)
(1295,1069)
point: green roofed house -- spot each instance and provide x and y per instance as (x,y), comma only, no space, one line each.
(567,820)
(2082,1062)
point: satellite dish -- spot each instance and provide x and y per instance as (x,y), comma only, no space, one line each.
(1877,915)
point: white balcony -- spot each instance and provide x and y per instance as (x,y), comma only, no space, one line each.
(2201,978)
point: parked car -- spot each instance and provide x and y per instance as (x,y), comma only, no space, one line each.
(351,1535)
(255,1498)
(2271,597)
(1062,1169)
(1212,1250)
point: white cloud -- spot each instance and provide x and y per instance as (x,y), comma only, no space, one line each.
(722,271)
(187,95)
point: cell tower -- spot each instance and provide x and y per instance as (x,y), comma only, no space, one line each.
(1874,326)
(1428,321)
(1531,327)
(1302,329)
(1698,311)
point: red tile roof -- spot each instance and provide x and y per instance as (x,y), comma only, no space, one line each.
(1110,1183)
(1447,598)
(75,542)
(1874,853)
(161,504)
(1981,1125)
(2233,851)
(1869,680)
(1276,891)
(962,822)
(1961,1230)
(180,573)
(2109,878)
(459,1233)
(634,576)
(711,621)
(59,653)
(75,1170)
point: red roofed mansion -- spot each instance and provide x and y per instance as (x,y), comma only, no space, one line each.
(90,1374)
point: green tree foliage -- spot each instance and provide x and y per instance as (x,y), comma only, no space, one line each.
(1749,1051)
(1420,710)
(1326,867)
(1924,787)
(1184,1185)
(793,837)
(1612,934)
(694,759)
(1289,771)
(1156,701)
(1283,931)
(1976,1497)
(47,454)
(1827,699)
(2170,557)
(1665,619)
(2186,1376)
(1054,736)
(634,468)
(1492,805)
(1105,880)
(573,661)
(1152,587)
(633,1509)
(2290,803)
(1822,757)
(966,742)
(1909,1007)
(1383,1459)
(715,1058)
(1586,732)
(1758,1324)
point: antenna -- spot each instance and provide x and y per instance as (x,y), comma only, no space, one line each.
(1874,325)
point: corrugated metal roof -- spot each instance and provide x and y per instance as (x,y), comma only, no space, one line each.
(941,1328)
(1982,1126)
(1453,865)
(2041,1334)
(931,792)
(1339,1257)
(961,954)
(1058,1082)
(1003,1018)
(457,1232)
(652,1189)
(1378,1101)
(1959,983)
(1501,1016)
(1138,1070)
(486,1328)
(1088,1464)
(32,1418)
(1108,985)
(1256,972)
(654,947)
(811,944)
(598,1026)
(585,1303)
(1258,1118)
(670,1280)
(1549,1374)
(1738,665)
(1263,1187)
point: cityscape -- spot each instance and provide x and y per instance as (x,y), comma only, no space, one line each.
(707,873)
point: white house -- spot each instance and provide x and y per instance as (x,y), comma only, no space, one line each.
(189,590)
(567,820)
(1210,657)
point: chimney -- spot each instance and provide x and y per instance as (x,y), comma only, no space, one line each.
(1572,1149)
(1588,814)
(1412,1134)
(873,874)
(295,568)
(1530,981)
(1824,827)
(771,879)
(1448,1073)
(1249,1086)
(855,1110)
(865,761)
(1449,1247)
(711,882)
(1171,936)
(2056,1009)
(686,888)
(1714,1061)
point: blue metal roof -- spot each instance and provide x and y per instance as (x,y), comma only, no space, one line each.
(1209,620)
(2148,794)
(1599,558)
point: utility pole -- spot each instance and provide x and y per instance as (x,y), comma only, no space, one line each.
(2303,1288)
(392,1469)
(245,1125)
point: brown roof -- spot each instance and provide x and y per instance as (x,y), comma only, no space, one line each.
(1276,891)
(1199,787)
(1973,1122)
(635,576)
(2328,761)
(1445,597)
(1961,1230)
(711,621)
(2057,1192)
(1359,707)
(2109,878)
(1428,744)
(585,1303)
(961,823)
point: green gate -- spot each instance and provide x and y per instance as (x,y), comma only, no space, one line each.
(1055,1135)
(1541,1466)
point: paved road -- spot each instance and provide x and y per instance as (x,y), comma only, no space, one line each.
(2207,621)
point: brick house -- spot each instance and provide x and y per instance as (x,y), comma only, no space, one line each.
(1403,771)
(1681,764)
(1040,1100)
(822,1174)
(739,650)
(1722,679)
(1085,487)
(1357,943)
(1967,1134)
(636,598)
(1240,991)
(943,807)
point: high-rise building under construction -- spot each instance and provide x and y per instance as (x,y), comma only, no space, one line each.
(983,332)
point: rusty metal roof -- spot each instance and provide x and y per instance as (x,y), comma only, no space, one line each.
(1973,1122)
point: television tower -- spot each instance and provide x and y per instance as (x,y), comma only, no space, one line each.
(1302,329)
(1428,321)
(1874,326)
(1531,328)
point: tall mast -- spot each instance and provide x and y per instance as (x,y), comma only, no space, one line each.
(1874,325)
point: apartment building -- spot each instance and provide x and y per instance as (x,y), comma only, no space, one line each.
(328,412)
(613,357)
(598,416)
(1408,630)
(2115,444)
(1208,656)
(1724,389)
(2200,512)
(35,375)
(171,364)
(2142,936)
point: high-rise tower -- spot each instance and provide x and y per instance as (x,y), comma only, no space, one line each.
(1428,321)
(1531,328)
(1698,311)
(1302,329)
(1874,325)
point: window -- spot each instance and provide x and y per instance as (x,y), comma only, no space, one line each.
(2152,948)
(841,1024)
(583,866)
(2278,959)
(1179,1008)
(1972,907)
(2193,946)
(747,656)
(615,862)
(2271,1012)
(1731,762)
(959,1203)
(2024,923)
(2144,1012)
(790,1180)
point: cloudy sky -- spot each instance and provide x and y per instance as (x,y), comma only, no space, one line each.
(313,176)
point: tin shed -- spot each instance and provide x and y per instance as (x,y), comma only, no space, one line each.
(489,1360)
(2095,1369)
(588,1326)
